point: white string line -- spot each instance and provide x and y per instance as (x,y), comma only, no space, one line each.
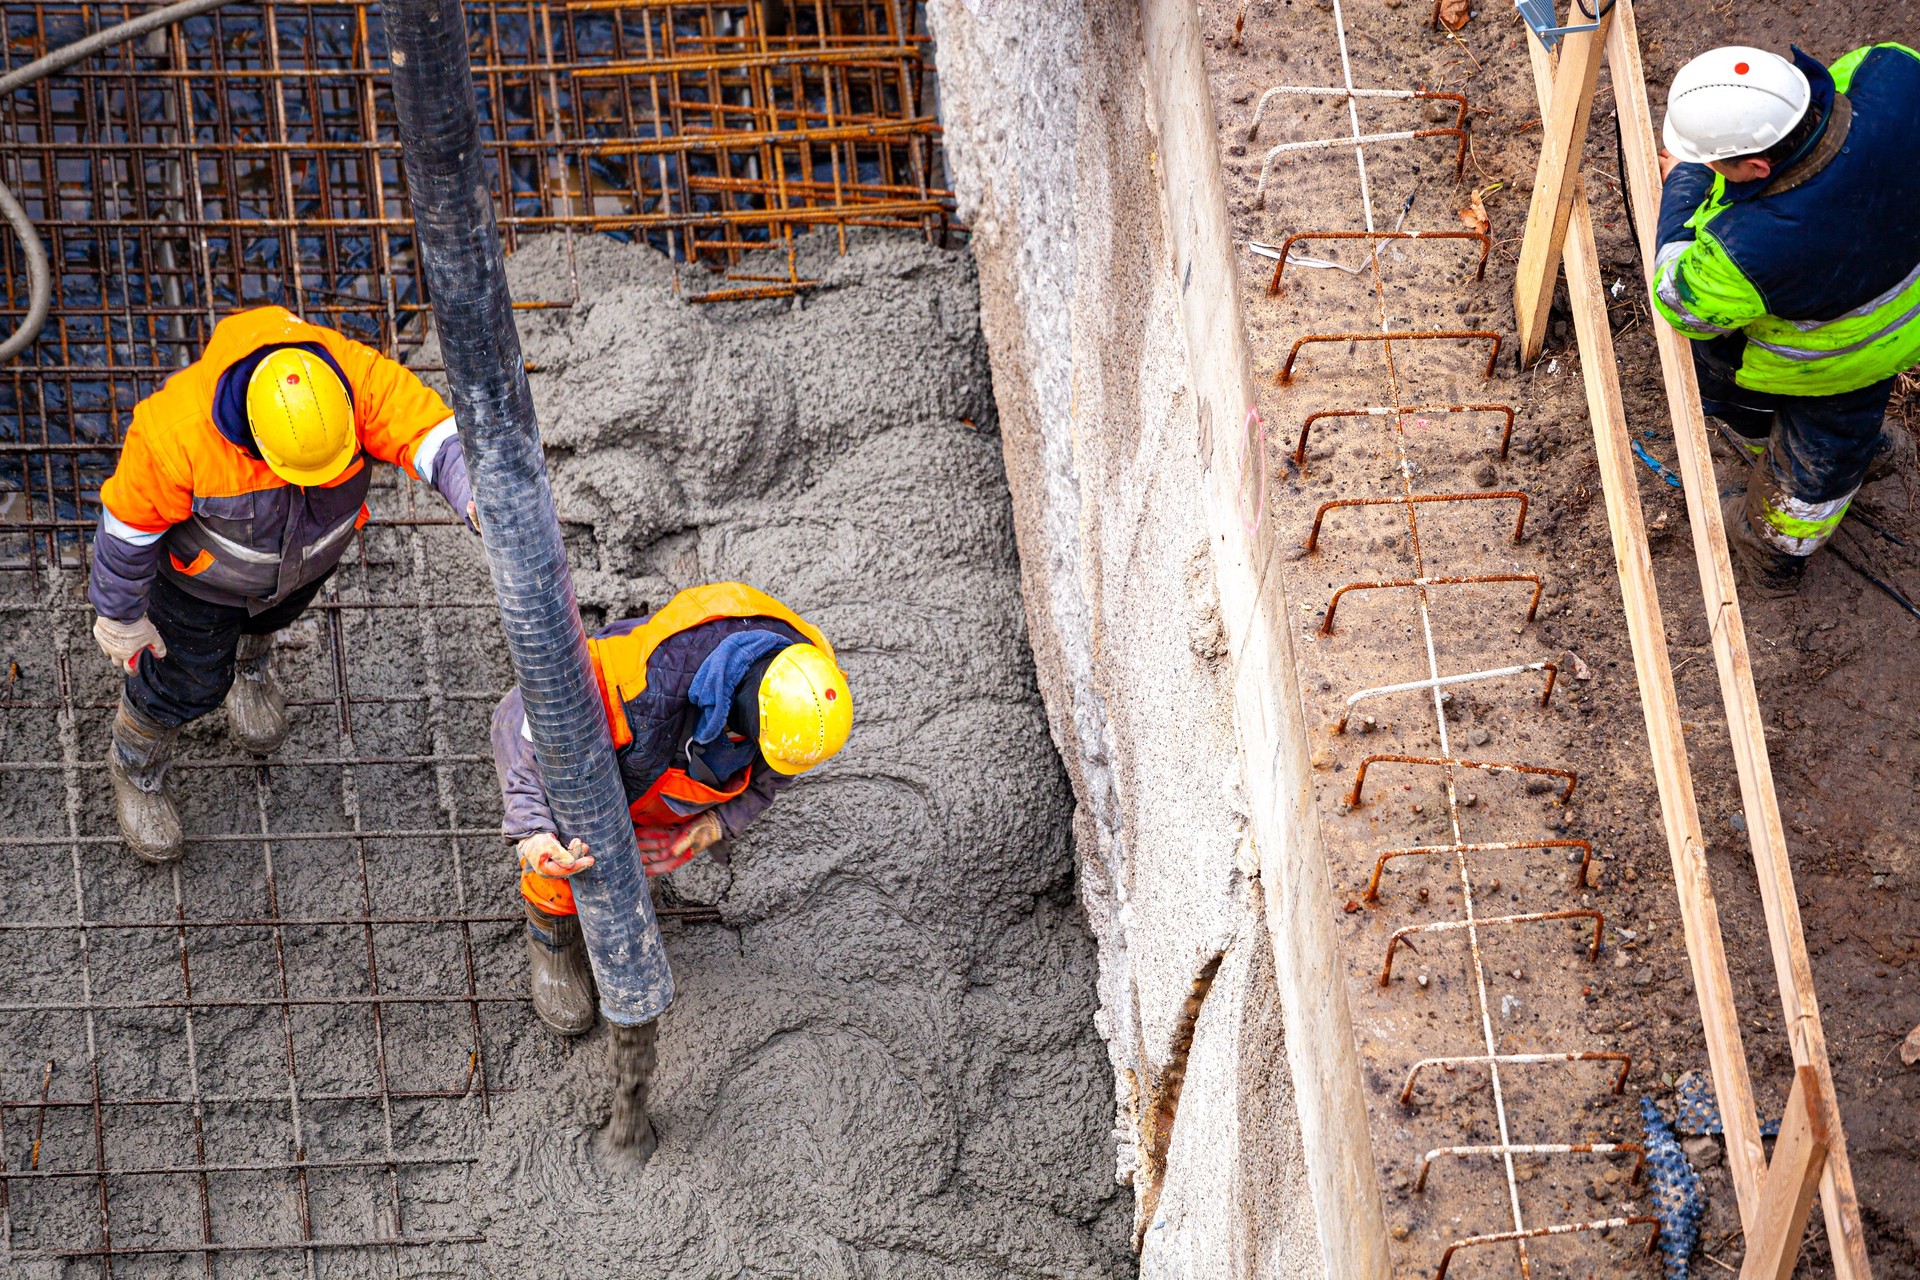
(1433,663)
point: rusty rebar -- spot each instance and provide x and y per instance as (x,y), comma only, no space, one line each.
(1442,682)
(1503,495)
(1451,762)
(1397,411)
(1459,135)
(1539,585)
(1634,1149)
(1285,376)
(1486,846)
(1280,266)
(1476,922)
(1558,1229)
(1333,91)
(1519,1060)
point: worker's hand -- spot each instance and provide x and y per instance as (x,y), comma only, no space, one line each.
(543,855)
(1667,162)
(123,641)
(697,836)
(473,516)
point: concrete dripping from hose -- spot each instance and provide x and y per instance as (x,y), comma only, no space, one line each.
(630,1061)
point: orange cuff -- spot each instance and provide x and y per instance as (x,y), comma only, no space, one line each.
(552,894)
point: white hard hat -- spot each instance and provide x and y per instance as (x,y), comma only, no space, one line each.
(1733,102)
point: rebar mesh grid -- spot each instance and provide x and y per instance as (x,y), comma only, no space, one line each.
(249,156)
(277,1057)
(1396,341)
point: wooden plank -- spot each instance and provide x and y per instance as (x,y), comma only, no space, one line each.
(1269,718)
(1699,913)
(1563,129)
(1766,832)
(1799,1156)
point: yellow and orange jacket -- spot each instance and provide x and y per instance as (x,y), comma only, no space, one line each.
(648,671)
(188,502)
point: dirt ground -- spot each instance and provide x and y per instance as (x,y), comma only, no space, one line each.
(1838,749)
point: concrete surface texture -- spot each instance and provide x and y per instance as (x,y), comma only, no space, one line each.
(885,1064)
(882,1061)
(1048,138)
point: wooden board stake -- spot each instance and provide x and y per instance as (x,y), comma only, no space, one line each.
(1563,129)
(1766,832)
(1799,1157)
(1699,912)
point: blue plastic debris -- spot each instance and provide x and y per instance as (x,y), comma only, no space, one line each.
(1697,1111)
(1673,1186)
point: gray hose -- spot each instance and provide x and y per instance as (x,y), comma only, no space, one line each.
(39,278)
(458,243)
(85,47)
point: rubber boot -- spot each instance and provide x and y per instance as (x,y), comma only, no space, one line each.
(1895,455)
(137,763)
(256,709)
(1764,570)
(562,978)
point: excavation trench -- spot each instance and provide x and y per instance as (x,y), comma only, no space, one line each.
(882,1059)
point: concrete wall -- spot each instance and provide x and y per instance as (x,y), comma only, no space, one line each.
(1052,136)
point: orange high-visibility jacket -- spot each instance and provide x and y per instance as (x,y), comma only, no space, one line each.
(231,530)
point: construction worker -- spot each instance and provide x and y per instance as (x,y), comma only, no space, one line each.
(1790,253)
(716,704)
(237,492)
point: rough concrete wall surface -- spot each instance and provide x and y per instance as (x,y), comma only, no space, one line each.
(1046,130)
(884,1065)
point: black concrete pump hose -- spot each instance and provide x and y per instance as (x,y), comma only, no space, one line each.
(466,277)
(39,279)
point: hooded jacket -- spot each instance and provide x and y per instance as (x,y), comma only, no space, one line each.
(192,498)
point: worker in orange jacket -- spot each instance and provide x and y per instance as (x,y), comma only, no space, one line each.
(237,492)
(716,703)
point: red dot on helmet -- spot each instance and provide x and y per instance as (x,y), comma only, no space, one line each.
(293,379)
(1739,68)
(832,694)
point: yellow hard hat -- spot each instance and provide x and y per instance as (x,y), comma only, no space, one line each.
(806,710)
(301,418)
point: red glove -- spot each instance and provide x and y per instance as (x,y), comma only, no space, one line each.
(667,849)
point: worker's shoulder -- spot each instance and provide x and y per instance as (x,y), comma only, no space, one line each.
(1885,57)
(242,333)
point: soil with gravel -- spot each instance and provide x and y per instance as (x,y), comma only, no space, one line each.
(1843,731)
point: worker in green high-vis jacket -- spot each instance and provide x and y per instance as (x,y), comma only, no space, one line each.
(1789,251)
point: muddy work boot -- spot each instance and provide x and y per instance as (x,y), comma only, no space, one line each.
(137,763)
(1767,572)
(256,709)
(562,978)
(1895,456)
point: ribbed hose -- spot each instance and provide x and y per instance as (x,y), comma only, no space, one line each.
(39,279)
(459,247)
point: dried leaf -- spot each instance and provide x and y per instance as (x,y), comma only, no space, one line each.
(1475,214)
(1453,14)
(1910,1047)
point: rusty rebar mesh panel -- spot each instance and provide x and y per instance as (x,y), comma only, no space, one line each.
(248,156)
(278,1057)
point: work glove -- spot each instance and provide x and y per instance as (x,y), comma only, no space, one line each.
(123,641)
(664,851)
(542,855)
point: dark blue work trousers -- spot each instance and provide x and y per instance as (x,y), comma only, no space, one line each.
(202,639)
(1819,446)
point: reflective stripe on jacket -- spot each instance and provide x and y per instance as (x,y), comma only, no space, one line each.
(186,501)
(1817,270)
